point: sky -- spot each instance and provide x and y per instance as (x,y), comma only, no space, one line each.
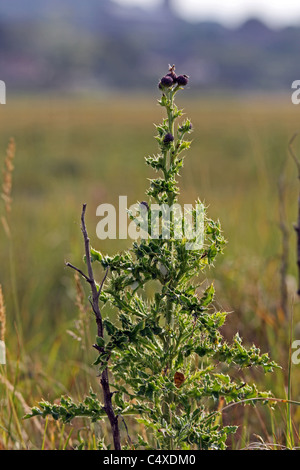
(274,12)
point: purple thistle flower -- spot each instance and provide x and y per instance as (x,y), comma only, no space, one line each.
(166,82)
(182,80)
(168,138)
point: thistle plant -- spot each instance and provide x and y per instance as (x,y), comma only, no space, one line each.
(161,358)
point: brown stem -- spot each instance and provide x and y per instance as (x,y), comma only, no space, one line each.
(113,419)
(297,227)
(285,247)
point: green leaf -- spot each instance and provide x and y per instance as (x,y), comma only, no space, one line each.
(110,327)
(96,255)
(100,341)
(208,296)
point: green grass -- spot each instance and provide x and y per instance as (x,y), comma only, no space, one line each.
(75,151)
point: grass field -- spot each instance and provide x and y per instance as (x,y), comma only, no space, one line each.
(92,150)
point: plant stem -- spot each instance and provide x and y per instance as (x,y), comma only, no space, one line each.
(297,227)
(169,306)
(113,419)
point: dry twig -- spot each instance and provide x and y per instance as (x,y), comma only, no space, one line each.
(107,395)
(297,227)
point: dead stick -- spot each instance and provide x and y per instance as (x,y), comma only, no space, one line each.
(285,246)
(107,395)
(297,227)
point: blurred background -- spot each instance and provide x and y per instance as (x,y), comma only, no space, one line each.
(81,82)
(124,44)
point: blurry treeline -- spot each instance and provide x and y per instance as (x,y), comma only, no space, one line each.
(100,45)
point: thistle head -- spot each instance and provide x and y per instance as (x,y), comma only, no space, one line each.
(182,80)
(171,80)
(168,138)
(166,82)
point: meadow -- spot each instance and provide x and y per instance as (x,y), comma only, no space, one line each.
(71,151)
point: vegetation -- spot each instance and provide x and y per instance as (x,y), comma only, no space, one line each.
(245,279)
(154,346)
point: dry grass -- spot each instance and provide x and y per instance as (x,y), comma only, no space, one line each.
(7,175)
(2,316)
(7,183)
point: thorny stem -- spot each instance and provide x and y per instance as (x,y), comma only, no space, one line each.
(107,395)
(171,197)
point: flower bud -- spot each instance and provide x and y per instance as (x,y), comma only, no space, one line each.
(166,82)
(186,127)
(168,138)
(182,80)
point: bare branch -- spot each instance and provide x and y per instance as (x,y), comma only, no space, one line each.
(127,432)
(79,271)
(297,227)
(90,268)
(285,246)
(113,419)
(103,280)
(292,153)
